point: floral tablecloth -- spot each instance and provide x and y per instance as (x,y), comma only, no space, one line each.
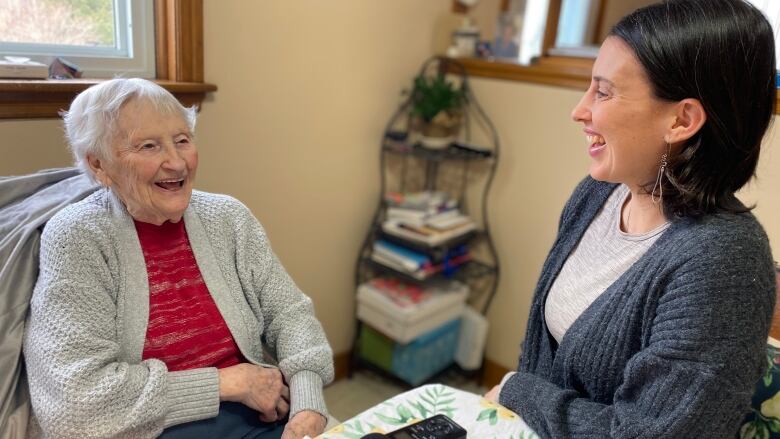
(480,417)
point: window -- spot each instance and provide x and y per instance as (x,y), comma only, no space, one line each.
(178,37)
(573,31)
(577,28)
(564,36)
(583,24)
(103,37)
(771,8)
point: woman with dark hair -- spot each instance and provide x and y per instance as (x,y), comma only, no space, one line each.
(651,314)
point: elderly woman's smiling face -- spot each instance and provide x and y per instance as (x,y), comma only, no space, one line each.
(152,163)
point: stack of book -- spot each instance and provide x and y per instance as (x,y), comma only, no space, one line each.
(429,218)
(418,265)
(404,311)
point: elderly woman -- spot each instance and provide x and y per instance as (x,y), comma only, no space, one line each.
(154,301)
(651,314)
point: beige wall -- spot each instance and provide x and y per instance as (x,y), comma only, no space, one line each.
(614,11)
(28,146)
(542,159)
(304,91)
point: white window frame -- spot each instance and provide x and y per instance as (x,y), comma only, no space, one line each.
(772,11)
(577,23)
(133,55)
(532,34)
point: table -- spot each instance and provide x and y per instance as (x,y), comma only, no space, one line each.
(481,418)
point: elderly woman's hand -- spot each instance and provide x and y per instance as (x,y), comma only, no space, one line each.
(305,422)
(256,387)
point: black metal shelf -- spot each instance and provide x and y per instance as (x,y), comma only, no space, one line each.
(448,153)
(406,165)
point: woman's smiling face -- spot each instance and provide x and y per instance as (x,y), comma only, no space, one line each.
(152,164)
(625,123)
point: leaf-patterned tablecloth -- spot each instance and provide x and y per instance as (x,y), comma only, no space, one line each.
(480,417)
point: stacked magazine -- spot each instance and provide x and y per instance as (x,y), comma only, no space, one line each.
(430,218)
(404,311)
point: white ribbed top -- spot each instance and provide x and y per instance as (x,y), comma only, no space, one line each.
(603,254)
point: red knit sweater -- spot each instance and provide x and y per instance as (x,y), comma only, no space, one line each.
(186,330)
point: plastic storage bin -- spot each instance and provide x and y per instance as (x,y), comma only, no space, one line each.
(416,361)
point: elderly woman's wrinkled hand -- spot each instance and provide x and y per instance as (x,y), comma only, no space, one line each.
(304,423)
(256,387)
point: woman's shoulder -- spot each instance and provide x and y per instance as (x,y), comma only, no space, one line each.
(735,240)
(722,229)
(88,214)
(217,205)
(222,213)
(719,262)
(223,217)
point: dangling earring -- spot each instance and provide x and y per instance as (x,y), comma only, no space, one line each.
(659,180)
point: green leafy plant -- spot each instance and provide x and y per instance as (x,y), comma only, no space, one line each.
(432,95)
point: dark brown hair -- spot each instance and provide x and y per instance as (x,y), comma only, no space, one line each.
(721,52)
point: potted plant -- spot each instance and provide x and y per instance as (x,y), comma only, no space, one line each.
(437,110)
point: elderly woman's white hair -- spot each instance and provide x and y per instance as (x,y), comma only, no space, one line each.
(90,123)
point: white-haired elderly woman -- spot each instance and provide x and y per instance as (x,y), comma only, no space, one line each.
(154,301)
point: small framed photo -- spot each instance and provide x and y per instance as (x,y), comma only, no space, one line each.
(506,44)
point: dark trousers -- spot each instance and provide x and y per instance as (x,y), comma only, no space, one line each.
(234,421)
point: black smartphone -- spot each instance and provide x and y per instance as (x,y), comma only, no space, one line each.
(435,427)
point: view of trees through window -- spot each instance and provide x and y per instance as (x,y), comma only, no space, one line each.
(69,22)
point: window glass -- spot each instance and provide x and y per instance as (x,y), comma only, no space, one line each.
(771,8)
(104,38)
(68,22)
(583,24)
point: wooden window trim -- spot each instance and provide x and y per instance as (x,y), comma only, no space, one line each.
(179,58)
(569,72)
(560,71)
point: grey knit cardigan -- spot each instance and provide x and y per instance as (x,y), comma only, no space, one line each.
(87,324)
(672,349)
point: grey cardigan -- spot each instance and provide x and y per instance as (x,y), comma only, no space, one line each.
(672,349)
(88,316)
(26,203)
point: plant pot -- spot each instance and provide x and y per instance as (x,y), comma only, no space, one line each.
(439,132)
(436,142)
